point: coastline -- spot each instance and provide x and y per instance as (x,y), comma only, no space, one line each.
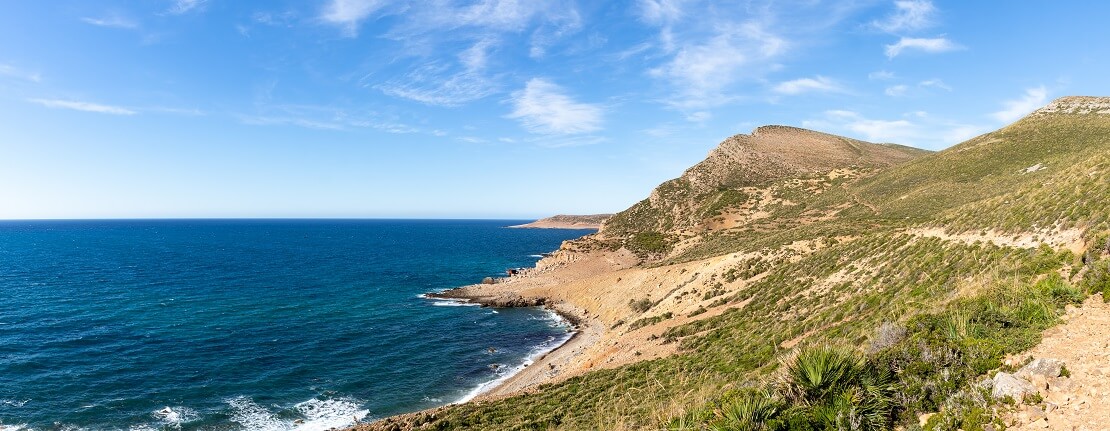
(538,368)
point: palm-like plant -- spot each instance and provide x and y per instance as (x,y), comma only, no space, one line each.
(751,411)
(838,389)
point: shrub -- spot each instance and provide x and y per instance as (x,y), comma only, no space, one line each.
(641,305)
(650,242)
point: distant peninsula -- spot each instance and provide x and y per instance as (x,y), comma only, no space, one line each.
(563,221)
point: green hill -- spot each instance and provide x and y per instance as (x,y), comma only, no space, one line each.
(903,276)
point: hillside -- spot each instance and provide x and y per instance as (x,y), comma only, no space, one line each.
(705,304)
(562,221)
(729,187)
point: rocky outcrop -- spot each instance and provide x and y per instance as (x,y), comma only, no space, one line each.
(1077,105)
(1009,385)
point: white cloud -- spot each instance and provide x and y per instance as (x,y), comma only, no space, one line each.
(699,116)
(819,84)
(1012,110)
(82,106)
(441,84)
(874,130)
(112,21)
(660,11)
(501,14)
(896,90)
(932,45)
(880,75)
(909,15)
(433,85)
(185,6)
(935,83)
(543,108)
(14,72)
(701,72)
(347,14)
(475,57)
(912,128)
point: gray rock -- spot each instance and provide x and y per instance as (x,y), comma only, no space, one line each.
(1006,384)
(1045,367)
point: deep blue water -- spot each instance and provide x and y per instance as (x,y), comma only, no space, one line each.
(253,324)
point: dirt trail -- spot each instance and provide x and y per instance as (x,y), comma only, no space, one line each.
(1082,401)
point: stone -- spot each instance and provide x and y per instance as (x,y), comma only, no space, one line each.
(1036,414)
(1044,367)
(1060,384)
(1006,384)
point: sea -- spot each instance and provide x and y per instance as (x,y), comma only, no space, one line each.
(255,325)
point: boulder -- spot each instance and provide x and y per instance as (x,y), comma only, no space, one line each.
(1043,367)
(1006,384)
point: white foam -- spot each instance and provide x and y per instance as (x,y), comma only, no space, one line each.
(175,416)
(537,256)
(13,403)
(454,303)
(20,427)
(505,373)
(317,415)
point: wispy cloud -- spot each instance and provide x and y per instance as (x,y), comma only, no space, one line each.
(181,7)
(14,72)
(442,84)
(817,84)
(435,84)
(880,75)
(909,15)
(1014,109)
(896,90)
(82,106)
(544,108)
(112,21)
(915,128)
(935,83)
(920,88)
(931,45)
(348,14)
(660,11)
(701,72)
(327,118)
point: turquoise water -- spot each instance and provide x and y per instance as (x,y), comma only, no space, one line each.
(254,324)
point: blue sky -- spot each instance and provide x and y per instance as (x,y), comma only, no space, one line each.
(488,108)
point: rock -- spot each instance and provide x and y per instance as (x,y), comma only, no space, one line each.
(1036,414)
(1045,367)
(1060,384)
(1006,384)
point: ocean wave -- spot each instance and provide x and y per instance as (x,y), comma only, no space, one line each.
(450,303)
(175,416)
(504,373)
(315,415)
(21,427)
(537,256)
(13,403)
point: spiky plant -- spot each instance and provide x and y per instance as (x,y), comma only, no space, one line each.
(838,389)
(751,411)
(815,375)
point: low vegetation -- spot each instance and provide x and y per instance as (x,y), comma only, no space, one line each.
(847,317)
